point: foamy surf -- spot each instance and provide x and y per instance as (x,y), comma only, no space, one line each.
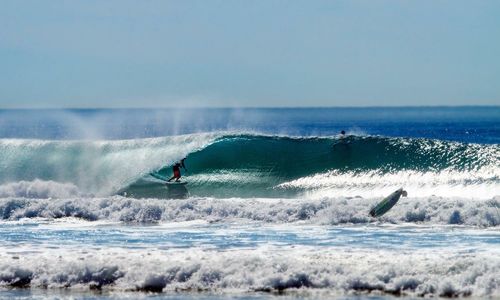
(326,211)
(479,184)
(270,269)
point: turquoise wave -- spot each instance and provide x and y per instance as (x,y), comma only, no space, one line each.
(256,165)
(244,165)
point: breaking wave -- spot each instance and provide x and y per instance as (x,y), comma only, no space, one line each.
(94,167)
(246,165)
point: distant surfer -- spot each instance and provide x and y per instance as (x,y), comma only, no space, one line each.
(342,148)
(340,140)
(176,168)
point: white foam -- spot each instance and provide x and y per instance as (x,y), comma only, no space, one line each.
(430,210)
(482,184)
(39,189)
(419,273)
(228,177)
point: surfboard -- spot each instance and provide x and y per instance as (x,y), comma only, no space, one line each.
(168,183)
(386,204)
(174,183)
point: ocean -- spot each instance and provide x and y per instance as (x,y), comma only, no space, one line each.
(276,205)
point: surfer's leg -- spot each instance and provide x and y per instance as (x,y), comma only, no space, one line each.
(177,175)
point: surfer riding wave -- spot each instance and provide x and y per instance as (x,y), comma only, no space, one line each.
(176,168)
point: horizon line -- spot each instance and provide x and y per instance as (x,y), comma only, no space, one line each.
(250,107)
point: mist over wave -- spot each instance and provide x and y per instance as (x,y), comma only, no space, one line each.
(95,167)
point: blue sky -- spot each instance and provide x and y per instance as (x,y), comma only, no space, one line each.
(249,53)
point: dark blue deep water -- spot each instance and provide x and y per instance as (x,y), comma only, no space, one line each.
(464,124)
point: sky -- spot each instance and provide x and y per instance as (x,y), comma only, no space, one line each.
(148,53)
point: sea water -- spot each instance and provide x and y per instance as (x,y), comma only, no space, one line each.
(276,204)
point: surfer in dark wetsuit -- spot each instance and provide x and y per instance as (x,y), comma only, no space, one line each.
(342,148)
(176,168)
(340,139)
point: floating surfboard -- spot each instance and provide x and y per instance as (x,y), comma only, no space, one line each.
(385,205)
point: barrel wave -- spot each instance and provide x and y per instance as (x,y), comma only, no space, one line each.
(280,166)
(251,165)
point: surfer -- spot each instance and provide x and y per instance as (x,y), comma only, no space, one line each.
(176,168)
(340,140)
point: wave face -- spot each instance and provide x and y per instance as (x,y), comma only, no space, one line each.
(270,166)
(246,165)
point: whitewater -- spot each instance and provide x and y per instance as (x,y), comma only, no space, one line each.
(268,210)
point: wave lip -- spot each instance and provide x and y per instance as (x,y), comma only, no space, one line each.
(326,211)
(269,269)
